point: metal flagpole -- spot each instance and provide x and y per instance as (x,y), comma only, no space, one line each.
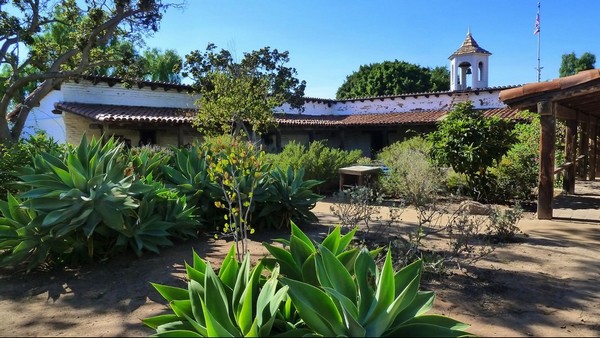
(537,32)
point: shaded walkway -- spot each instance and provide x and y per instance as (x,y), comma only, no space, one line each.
(584,205)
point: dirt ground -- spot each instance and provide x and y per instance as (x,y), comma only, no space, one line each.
(546,284)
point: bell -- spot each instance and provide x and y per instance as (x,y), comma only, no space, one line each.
(469,71)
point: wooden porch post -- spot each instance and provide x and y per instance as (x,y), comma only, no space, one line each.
(570,148)
(583,150)
(597,151)
(546,110)
(593,150)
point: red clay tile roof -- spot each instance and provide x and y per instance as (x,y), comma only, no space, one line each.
(373,119)
(469,46)
(532,90)
(112,113)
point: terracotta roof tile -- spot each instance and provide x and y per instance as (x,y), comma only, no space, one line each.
(112,113)
(529,90)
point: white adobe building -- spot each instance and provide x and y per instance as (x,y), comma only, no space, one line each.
(160,112)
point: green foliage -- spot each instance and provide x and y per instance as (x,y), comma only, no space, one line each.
(297,261)
(89,205)
(238,301)
(571,64)
(393,78)
(318,161)
(503,224)
(351,304)
(148,160)
(238,93)
(472,143)
(326,289)
(411,173)
(517,173)
(289,199)
(238,171)
(162,66)
(66,39)
(187,172)
(21,153)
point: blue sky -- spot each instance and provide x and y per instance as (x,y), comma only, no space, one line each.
(328,40)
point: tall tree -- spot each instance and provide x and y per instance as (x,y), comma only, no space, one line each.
(393,78)
(234,94)
(64,39)
(161,66)
(571,64)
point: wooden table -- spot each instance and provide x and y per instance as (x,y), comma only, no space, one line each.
(362,172)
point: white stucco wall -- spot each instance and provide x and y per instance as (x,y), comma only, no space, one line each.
(102,93)
(42,118)
(483,99)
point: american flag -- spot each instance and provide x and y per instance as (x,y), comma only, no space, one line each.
(537,21)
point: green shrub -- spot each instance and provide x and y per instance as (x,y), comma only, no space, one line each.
(517,173)
(319,161)
(21,153)
(411,173)
(472,143)
(88,205)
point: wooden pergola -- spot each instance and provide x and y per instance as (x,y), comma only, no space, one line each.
(576,100)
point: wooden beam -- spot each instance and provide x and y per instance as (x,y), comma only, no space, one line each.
(565,113)
(570,154)
(546,110)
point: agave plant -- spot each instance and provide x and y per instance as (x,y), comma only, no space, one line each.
(188,173)
(289,198)
(162,213)
(90,204)
(147,160)
(350,304)
(298,258)
(237,301)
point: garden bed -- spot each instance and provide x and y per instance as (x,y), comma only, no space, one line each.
(545,284)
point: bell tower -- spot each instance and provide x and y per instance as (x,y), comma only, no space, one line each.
(469,66)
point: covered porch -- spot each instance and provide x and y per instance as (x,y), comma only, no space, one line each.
(576,101)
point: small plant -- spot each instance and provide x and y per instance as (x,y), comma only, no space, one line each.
(355,205)
(411,173)
(503,224)
(237,170)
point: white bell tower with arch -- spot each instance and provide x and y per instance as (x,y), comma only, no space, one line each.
(469,66)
